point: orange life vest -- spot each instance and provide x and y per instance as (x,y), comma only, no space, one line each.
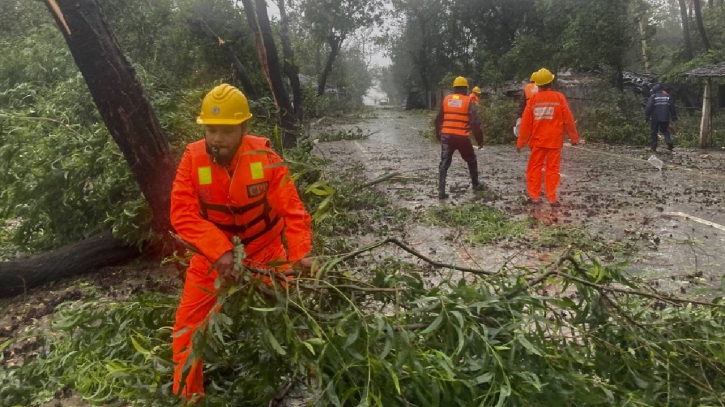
(530,90)
(237,202)
(455,115)
(474,98)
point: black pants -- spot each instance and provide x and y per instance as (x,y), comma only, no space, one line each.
(660,127)
(451,144)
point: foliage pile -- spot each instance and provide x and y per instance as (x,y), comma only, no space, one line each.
(498,116)
(381,336)
(355,133)
(614,118)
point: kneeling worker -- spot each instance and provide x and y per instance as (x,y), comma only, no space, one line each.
(228,185)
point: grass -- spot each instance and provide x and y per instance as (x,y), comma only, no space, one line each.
(486,225)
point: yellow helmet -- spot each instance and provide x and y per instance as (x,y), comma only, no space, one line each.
(460,81)
(225,104)
(476,89)
(543,77)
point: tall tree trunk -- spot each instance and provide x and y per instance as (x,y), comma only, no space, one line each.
(706,121)
(686,30)
(645,56)
(247,84)
(18,276)
(701,25)
(121,101)
(335,42)
(290,66)
(126,111)
(267,52)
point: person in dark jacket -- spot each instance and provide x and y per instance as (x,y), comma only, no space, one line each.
(660,110)
(456,120)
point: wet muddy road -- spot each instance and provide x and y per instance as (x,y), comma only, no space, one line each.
(675,216)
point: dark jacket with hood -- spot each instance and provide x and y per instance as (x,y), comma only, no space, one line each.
(660,106)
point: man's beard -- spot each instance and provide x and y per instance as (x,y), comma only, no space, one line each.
(218,158)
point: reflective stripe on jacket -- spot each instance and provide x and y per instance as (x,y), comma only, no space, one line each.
(546,118)
(660,108)
(255,200)
(455,115)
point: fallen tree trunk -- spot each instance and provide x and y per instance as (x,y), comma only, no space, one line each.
(92,254)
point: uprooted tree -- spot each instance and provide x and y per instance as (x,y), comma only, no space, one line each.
(130,119)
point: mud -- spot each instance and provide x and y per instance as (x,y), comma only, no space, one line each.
(672,216)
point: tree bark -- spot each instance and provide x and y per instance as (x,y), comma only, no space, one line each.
(128,115)
(290,66)
(121,101)
(701,25)
(706,120)
(247,84)
(18,276)
(643,37)
(689,54)
(335,42)
(268,59)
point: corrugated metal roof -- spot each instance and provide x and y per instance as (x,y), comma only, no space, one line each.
(707,71)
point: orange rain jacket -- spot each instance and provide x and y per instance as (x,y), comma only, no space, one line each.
(255,200)
(546,118)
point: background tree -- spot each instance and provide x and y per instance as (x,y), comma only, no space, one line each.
(689,54)
(334,21)
(259,22)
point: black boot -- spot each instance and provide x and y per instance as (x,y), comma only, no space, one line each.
(477,186)
(670,146)
(442,186)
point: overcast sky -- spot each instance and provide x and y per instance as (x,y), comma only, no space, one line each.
(377,59)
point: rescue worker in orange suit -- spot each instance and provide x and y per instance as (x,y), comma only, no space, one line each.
(476,95)
(546,118)
(228,185)
(529,90)
(456,119)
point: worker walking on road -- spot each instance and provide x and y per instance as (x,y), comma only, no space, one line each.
(529,90)
(545,119)
(660,109)
(456,120)
(476,95)
(229,184)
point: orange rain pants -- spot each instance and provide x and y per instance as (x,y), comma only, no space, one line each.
(540,156)
(196,304)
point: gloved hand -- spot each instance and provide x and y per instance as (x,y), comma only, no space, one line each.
(516,128)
